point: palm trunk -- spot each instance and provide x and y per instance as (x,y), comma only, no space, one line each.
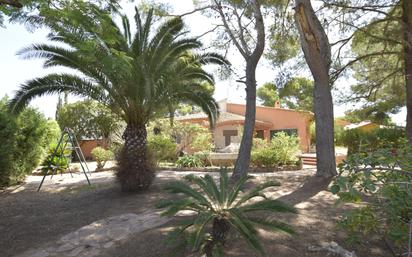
(316,48)
(243,160)
(219,230)
(135,172)
(407,25)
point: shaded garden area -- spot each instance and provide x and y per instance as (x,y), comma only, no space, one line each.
(32,220)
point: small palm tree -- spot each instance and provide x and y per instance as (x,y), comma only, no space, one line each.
(220,208)
(138,77)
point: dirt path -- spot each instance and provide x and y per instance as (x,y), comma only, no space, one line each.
(29,219)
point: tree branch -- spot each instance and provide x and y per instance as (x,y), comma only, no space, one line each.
(229,31)
(14,3)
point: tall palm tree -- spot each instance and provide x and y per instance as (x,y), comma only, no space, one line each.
(138,77)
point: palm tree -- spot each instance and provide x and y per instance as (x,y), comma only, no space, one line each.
(138,77)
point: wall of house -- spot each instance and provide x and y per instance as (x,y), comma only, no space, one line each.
(281,119)
(88,145)
(369,127)
(220,139)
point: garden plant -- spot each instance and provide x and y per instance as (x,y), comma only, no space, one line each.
(221,210)
(380,183)
(137,76)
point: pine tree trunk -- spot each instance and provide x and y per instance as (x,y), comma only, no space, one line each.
(243,160)
(316,48)
(135,171)
(407,25)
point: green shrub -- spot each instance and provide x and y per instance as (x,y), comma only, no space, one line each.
(220,212)
(338,133)
(23,142)
(101,156)
(385,177)
(359,141)
(282,150)
(162,147)
(60,160)
(204,156)
(202,141)
(189,161)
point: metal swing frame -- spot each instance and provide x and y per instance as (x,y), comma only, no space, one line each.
(63,145)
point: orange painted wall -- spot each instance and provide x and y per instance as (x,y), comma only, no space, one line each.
(281,119)
(88,145)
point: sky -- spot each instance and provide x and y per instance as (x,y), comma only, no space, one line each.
(14,71)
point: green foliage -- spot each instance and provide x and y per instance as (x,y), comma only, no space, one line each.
(33,13)
(221,211)
(297,93)
(138,73)
(268,94)
(58,160)
(162,146)
(282,150)
(202,141)
(359,223)
(385,177)
(193,137)
(368,141)
(88,119)
(101,156)
(23,142)
(189,161)
(380,71)
(204,156)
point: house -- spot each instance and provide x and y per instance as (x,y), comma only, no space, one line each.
(87,145)
(364,126)
(269,121)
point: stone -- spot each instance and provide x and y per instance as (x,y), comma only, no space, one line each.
(108,244)
(65,247)
(96,237)
(69,237)
(76,251)
(38,253)
(117,233)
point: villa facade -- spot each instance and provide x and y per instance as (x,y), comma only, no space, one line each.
(269,121)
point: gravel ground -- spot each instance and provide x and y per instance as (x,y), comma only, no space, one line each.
(30,219)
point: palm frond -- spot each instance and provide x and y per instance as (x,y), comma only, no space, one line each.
(268,205)
(180,187)
(273,225)
(257,191)
(55,84)
(246,230)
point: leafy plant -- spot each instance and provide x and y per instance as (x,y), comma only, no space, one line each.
(101,156)
(189,161)
(59,160)
(24,140)
(385,177)
(359,141)
(220,209)
(163,147)
(282,150)
(138,73)
(202,141)
(204,156)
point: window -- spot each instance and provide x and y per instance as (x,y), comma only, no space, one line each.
(228,134)
(259,134)
(290,132)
